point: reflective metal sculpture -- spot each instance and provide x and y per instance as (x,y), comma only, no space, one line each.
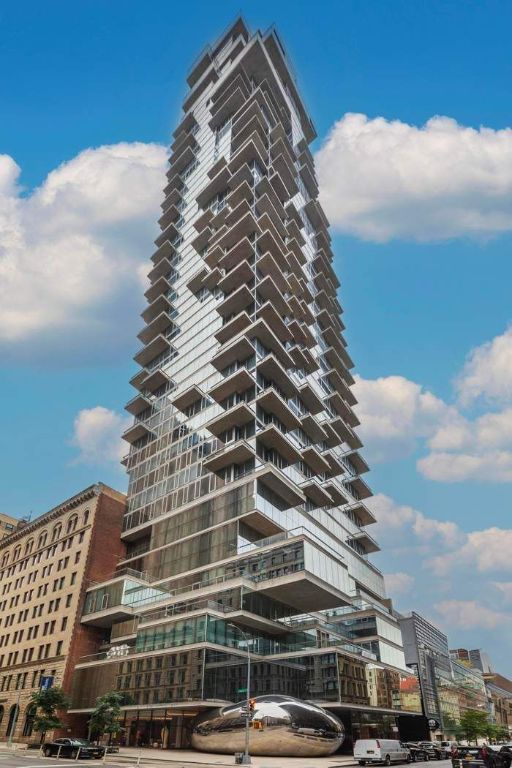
(281,725)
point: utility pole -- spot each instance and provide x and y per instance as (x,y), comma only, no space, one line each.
(246,759)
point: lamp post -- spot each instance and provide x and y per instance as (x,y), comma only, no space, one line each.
(246,758)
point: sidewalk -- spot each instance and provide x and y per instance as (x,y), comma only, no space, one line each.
(189,758)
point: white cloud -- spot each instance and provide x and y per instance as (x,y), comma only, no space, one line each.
(505,587)
(394,413)
(489,467)
(392,517)
(488,371)
(485,551)
(97,435)
(382,179)
(398,583)
(470,614)
(71,250)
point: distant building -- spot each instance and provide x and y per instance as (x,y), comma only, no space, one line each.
(450,684)
(8,524)
(476,658)
(499,689)
(45,568)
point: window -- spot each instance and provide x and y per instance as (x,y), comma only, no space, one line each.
(58,649)
(56,532)
(86,517)
(73,578)
(72,524)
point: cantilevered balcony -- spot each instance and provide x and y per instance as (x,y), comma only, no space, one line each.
(360,488)
(315,460)
(187,397)
(268,267)
(238,350)
(239,275)
(204,278)
(363,514)
(236,416)
(277,482)
(137,404)
(240,251)
(336,491)
(235,302)
(272,370)
(158,345)
(161,286)
(261,331)
(316,492)
(343,409)
(364,540)
(232,453)
(237,382)
(273,439)
(161,304)
(310,398)
(159,325)
(233,327)
(357,461)
(136,431)
(272,403)
(155,380)
(312,428)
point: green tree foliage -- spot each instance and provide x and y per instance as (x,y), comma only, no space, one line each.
(473,724)
(48,704)
(105,718)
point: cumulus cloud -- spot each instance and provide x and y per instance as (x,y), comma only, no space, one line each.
(488,372)
(71,250)
(97,435)
(470,614)
(392,517)
(398,583)
(486,551)
(399,416)
(488,467)
(394,413)
(505,588)
(382,179)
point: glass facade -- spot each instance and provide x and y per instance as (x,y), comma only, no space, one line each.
(246,522)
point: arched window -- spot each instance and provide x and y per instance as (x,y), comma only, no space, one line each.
(30,715)
(16,553)
(2,710)
(42,539)
(86,516)
(72,523)
(56,532)
(29,546)
(5,559)
(13,718)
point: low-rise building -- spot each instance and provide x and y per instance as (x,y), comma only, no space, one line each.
(45,569)
(8,525)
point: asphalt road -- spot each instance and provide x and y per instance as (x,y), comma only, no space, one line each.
(28,760)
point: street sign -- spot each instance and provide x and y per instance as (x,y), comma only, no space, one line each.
(242,690)
(46,683)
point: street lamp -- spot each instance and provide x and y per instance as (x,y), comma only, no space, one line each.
(246,758)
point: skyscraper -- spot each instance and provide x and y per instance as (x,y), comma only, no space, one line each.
(246,522)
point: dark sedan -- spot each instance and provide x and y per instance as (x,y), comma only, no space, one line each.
(479,757)
(72,748)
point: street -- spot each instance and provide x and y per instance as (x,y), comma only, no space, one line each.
(186,759)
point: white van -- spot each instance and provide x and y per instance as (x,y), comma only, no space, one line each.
(385,751)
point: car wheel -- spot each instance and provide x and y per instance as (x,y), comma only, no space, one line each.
(427,757)
(73,754)
(47,752)
(362,762)
(387,760)
(408,759)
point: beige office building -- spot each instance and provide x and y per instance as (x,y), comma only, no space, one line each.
(45,568)
(8,524)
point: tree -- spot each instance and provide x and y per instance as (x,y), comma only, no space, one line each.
(105,718)
(49,702)
(473,724)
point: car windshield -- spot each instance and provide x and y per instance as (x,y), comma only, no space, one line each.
(81,742)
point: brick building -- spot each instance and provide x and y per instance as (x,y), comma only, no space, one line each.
(45,569)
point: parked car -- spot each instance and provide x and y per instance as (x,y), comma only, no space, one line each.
(448,746)
(478,757)
(435,751)
(385,751)
(72,748)
(418,753)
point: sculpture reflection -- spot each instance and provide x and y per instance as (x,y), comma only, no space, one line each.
(281,725)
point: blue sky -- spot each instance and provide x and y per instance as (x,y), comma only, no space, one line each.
(422,232)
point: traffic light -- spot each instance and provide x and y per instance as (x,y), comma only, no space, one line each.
(252,705)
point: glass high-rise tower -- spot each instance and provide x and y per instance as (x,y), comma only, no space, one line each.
(246,519)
